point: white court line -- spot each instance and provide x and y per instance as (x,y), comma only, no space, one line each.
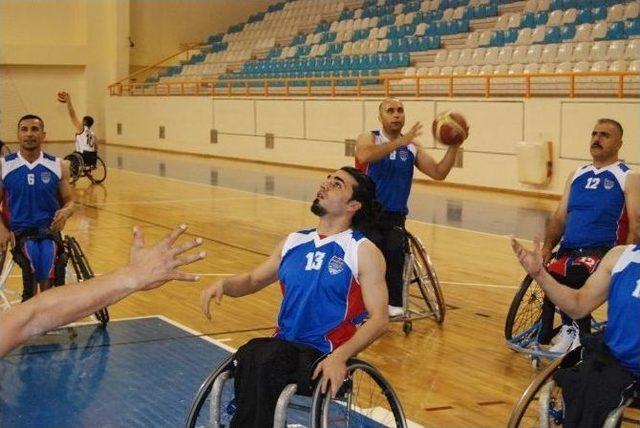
(304,202)
(173,201)
(197,333)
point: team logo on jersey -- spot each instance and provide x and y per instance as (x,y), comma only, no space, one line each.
(404,156)
(45,177)
(336,265)
(608,184)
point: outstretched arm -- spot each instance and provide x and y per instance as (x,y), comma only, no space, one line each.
(149,267)
(367,151)
(576,303)
(243,284)
(371,268)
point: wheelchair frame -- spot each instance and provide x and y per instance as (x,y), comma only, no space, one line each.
(419,271)
(77,168)
(550,409)
(320,403)
(81,270)
(523,323)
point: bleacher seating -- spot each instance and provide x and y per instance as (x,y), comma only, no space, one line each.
(325,40)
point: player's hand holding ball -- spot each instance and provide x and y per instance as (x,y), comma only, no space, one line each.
(63,96)
(450,128)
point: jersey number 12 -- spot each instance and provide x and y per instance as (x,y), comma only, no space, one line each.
(592,183)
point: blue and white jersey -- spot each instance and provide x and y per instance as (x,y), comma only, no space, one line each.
(322,302)
(596,214)
(392,174)
(622,334)
(30,191)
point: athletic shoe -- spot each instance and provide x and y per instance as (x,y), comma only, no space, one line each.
(396,311)
(565,340)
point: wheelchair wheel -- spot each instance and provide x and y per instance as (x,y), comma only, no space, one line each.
(426,278)
(98,174)
(365,399)
(83,272)
(213,405)
(525,310)
(76,166)
(541,404)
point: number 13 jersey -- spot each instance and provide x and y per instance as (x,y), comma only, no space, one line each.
(322,302)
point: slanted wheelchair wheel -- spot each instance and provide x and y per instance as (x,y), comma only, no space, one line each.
(525,310)
(426,278)
(213,407)
(365,399)
(76,166)
(541,403)
(98,174)
(83,272)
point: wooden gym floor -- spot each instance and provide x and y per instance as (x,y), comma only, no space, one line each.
(457,374)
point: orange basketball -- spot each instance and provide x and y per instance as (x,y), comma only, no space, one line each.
(450,128)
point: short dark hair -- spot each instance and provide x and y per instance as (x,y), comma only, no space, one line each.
(613,122)
(87,121)
(31,116)
(365,193)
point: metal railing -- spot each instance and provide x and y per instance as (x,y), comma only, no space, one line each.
(620,84)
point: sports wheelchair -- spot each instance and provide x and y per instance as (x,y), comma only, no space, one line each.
(524,320)
(541,404)
(419,271)
(80,271)
(365,399)
(97,174)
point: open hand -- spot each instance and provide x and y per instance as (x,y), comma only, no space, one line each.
(414,132)
(531,260)
(153,266)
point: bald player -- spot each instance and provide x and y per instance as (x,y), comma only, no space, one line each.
(388,157)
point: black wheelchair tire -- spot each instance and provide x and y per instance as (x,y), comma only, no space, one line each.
(510,327)
(99,174)
(76,166)
(84,272)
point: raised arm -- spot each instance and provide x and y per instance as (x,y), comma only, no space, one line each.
(243,284)
(555,228)
(575,303)
(367,151)
(65,97)
(632,202)
(66,195)
(371,276)
(436,170)
(149,267)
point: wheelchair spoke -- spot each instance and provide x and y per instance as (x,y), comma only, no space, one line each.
(365,400)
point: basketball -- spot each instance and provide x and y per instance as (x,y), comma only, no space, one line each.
(62,97)
(450,128)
